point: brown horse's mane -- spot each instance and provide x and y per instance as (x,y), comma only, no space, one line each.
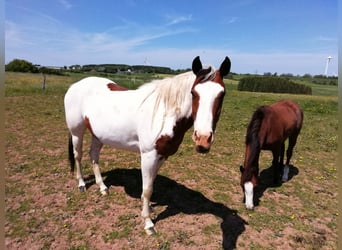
(253,140)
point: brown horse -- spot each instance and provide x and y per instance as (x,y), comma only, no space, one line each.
(268,129)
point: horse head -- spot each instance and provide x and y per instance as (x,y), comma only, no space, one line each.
(207,93)
(249,180)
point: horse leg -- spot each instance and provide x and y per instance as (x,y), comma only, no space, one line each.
(77,141)
(150,164)
(281,159)
(95,149)
(275,165)
(282,152)
(289,151)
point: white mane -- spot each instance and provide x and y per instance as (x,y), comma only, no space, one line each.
(174,92)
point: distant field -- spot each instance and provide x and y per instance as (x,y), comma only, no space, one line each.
(197,198)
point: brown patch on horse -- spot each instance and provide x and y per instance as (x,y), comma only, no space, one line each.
(167,145)
(115,87)
(88,125)
(217,107)
(218,78)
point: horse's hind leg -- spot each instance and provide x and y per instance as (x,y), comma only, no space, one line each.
(77,141)
(95,149)
(289,151)
(282,153)
(283,171)
(276,165)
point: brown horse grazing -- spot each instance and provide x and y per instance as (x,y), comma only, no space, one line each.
(268,129)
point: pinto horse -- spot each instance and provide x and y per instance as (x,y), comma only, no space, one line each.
(151,120)
(268,129)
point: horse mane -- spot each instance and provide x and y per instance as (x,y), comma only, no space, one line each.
(174,92)
(206,74)
(252,139)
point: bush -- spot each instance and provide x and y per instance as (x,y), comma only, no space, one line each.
(50,71)
(272,85)
(18,65)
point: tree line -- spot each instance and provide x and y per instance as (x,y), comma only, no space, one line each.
(20,65)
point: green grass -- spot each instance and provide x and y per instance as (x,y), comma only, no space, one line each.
(42,203)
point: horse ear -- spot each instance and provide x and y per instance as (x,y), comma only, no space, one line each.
(242,169)
(225,67)
(196,65)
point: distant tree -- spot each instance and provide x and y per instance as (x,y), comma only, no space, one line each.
(19,65)
(307,76)
(288,75)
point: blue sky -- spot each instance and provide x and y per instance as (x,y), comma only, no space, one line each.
(292,36)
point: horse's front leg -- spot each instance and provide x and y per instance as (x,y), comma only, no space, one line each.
(150,164)
(95,149)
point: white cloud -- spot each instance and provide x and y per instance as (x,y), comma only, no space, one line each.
(232,20)
(66,4)
(326,39)
(173,20)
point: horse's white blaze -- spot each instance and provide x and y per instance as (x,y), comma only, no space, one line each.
(249,195)
(204,119)
(286,173)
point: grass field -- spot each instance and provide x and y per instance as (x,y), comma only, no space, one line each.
(197,198)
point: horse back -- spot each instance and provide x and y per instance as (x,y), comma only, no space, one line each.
(281,120)
(289,113)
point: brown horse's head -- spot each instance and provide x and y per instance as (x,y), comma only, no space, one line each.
(249,180)
(207,92)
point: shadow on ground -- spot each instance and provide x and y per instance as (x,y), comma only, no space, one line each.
(178,199)
(266,181)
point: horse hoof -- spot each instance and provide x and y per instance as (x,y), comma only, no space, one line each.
(105,192)
(150,231)
(82,189)
(250,207)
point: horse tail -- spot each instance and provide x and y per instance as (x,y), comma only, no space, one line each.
(71,155)
(298,113)
(300,118)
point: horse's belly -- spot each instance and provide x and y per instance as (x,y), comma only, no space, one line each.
(120,141)
(116,131)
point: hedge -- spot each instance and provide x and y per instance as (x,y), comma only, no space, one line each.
(272,85)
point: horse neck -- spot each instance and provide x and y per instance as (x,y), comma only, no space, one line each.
(252,156)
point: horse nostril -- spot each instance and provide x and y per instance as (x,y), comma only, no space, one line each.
(201,149)
(210,138)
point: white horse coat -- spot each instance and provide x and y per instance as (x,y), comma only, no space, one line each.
(151,120)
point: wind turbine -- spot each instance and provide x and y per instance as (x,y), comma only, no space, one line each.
(327,65)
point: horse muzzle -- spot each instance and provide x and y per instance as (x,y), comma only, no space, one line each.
(202,142)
